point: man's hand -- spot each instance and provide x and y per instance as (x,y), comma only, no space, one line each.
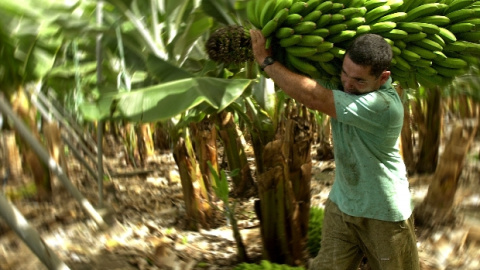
(258,46)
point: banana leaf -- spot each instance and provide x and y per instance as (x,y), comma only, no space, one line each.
(166,100)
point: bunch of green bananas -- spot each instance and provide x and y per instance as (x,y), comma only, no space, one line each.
(432,41)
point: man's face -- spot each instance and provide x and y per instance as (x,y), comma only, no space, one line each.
(356,79)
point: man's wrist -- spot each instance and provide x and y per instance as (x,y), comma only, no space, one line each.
(267,62)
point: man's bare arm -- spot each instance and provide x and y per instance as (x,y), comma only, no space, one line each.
(303,89)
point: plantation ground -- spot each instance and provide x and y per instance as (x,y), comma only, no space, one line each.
(148,230)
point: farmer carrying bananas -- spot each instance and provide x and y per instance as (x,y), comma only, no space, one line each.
(369,211)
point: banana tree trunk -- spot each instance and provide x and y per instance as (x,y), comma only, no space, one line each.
(428,157)
(145,145)
(39,170)
(198,208)
(243,183)
(406,136)
(13,161)
(205,137)
(162,139)
(438,205)
(131,141)
(55,147)
(284,192)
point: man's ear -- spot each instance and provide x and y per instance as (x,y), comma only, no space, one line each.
(385,75)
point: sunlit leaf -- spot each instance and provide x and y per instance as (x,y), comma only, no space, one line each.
(167,100)
(197,26)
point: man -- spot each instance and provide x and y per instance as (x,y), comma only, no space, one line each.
(368,212)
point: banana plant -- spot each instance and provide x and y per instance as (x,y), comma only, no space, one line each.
(27,48)
(462,105)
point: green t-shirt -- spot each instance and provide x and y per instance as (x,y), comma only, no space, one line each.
(370,176)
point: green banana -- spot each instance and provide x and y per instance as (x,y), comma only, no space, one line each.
(423,63)
(298,7)
(354,22)
(304,27)
(437,38)
(325,6)
(281,16)
(396,50)
(322,57)
(322,32)
(337,28)
(267,12)
(325,46)
(470,59)
(324,20)
(429,28)
(409,27)
(400,44)
(428,44)
(461,27)
(302,65)
(337,18)
(338,52)
(457,46)
(357,3)
(461,14)
(409,55)
(371,4)
(415,37)
(290,41)
(395,4)
(311,6)
(424,53)
(446,35)
(259,4)
(329,68)
(311,41)
(396,72)
(376,13)
(345,3)
(425,10)
(336,7)
(458,5)
(393,17)
(284,32)
(269,28)
(301,51)
(395,34)
(428,71)
(474,21)
(440,56)
(449,72)
(363,29)
(381,27)
(352,11)
(438,20)
(251,15)
(293,19)
(451,62)
(389,41)
(342,36)
(313,16)
(281,4)
(470,36)
(401,63)
(473,48)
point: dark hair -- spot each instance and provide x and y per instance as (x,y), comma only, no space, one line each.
(371,50)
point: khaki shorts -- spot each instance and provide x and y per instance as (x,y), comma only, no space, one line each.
(346,239)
